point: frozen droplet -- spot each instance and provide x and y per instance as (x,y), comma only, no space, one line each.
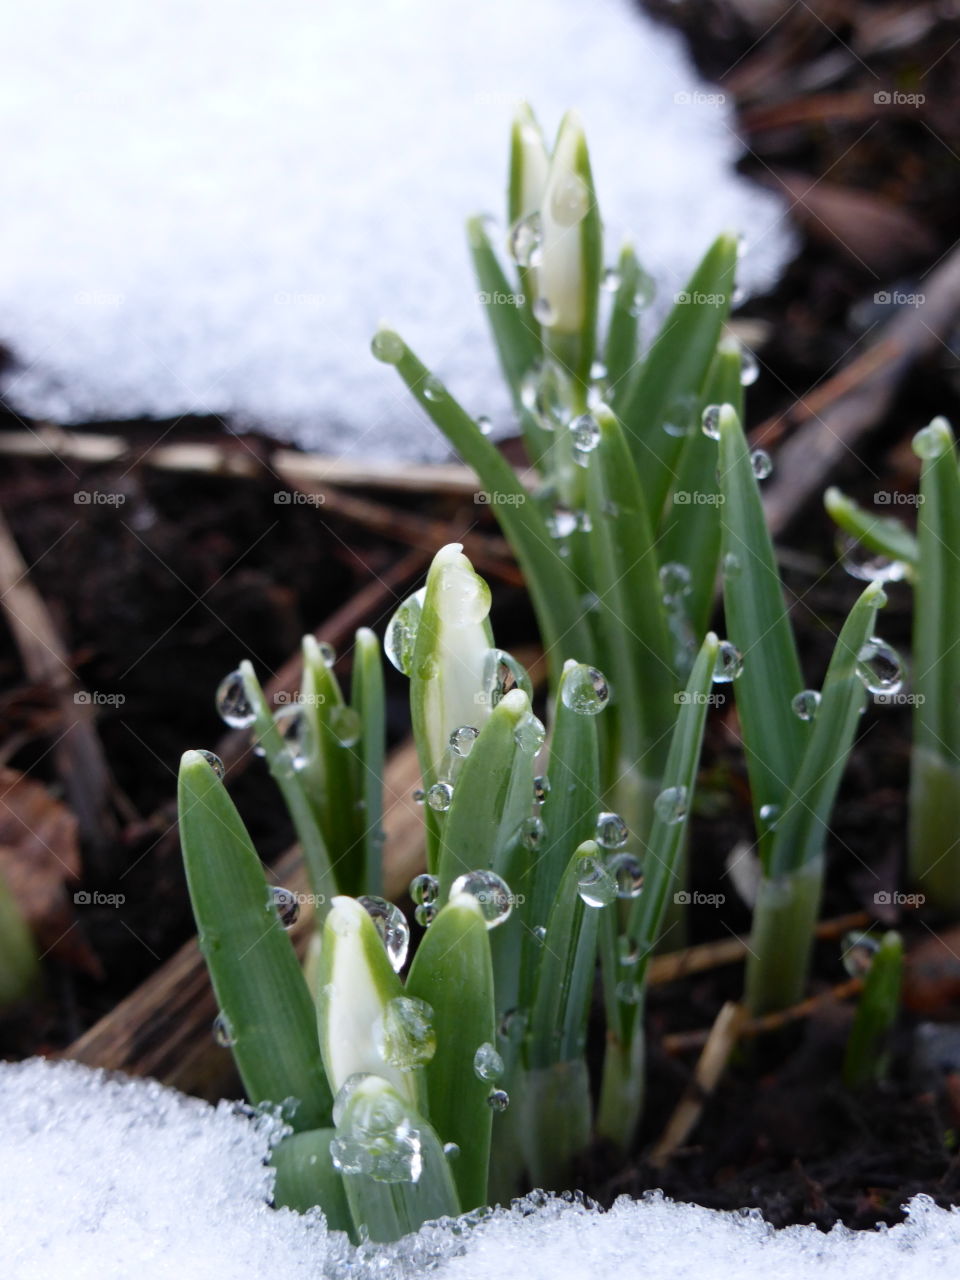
(585,432)
(732,565)
(433,388)
(595,885)
(484,425)
(327,652)
(584,689)
(346,1092)
(541,788)
(805,703)
(761,463)
(387,346)
(543,311)
(680,415)
(286,904)
(214,761)
(393,929)
(487,1063)
(858,951)
(627,873)
(345,725)
(490,891)
(440,797)
(525,242)
(769,815)
(674,581)
(562,522)
(418,795)
(531,832)
(729,663)
(879,667)
(451,1150)
(670,805)
(611,832)
(381,1142)
(529,734)
(569,200)
(498,1099)
(465,596)
(932,441)
(501,674)
(401,634)
(710,422)
(233,706)
(424,888)
(425,914)
(404,1034)
(749,368)
(223,1031)
(462,739)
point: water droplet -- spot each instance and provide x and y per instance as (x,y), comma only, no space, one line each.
(627,874)
(223,1031)
(525,242)
(569,200)
(451,1150)
(462,739)
(749,368)
(401,634)
(598,371)
(932,441)
(540,934)
(644,293)
(214,761)
(425,914)
(628,951)
(404,1034)
(345,725)
(805,703)
(424,888)
(769,815)
(879,667)
(294,729)
(865,565)
(440,796)
(611,280)
(670,805)
(585,431)
(541,788)
(491,892)
(286,905)
(543,311)
(611,832)
(732,567)
(433,388)
(761,463)
(387,346)
(379,1142)
(513,1026)
(487,1063)
(529,734)
(233,706)
(328,653)
(729,663)
(501,674)
(680,415)
(584,689)
(544,393)
(628,992)
(710,422)
(674,581)
(595,885)
(531,832)
(498,1099)
(418,795)
(392,927)
(562,522)
(858,951)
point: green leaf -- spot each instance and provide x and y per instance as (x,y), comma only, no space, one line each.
(253,967)
(367,698)
(306,1177)
(774,737)
(675,369)
(19,966)
(866,1058)
(884,535)
(453,973)
(620,354)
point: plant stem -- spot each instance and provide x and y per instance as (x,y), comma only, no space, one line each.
(784,919)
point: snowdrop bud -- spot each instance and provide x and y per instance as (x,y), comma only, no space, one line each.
(450,658)
(529,165)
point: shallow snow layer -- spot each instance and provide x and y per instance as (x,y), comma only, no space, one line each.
(105,1178)
(212,206)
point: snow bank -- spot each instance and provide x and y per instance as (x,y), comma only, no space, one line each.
(105,1178)
(212,206)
